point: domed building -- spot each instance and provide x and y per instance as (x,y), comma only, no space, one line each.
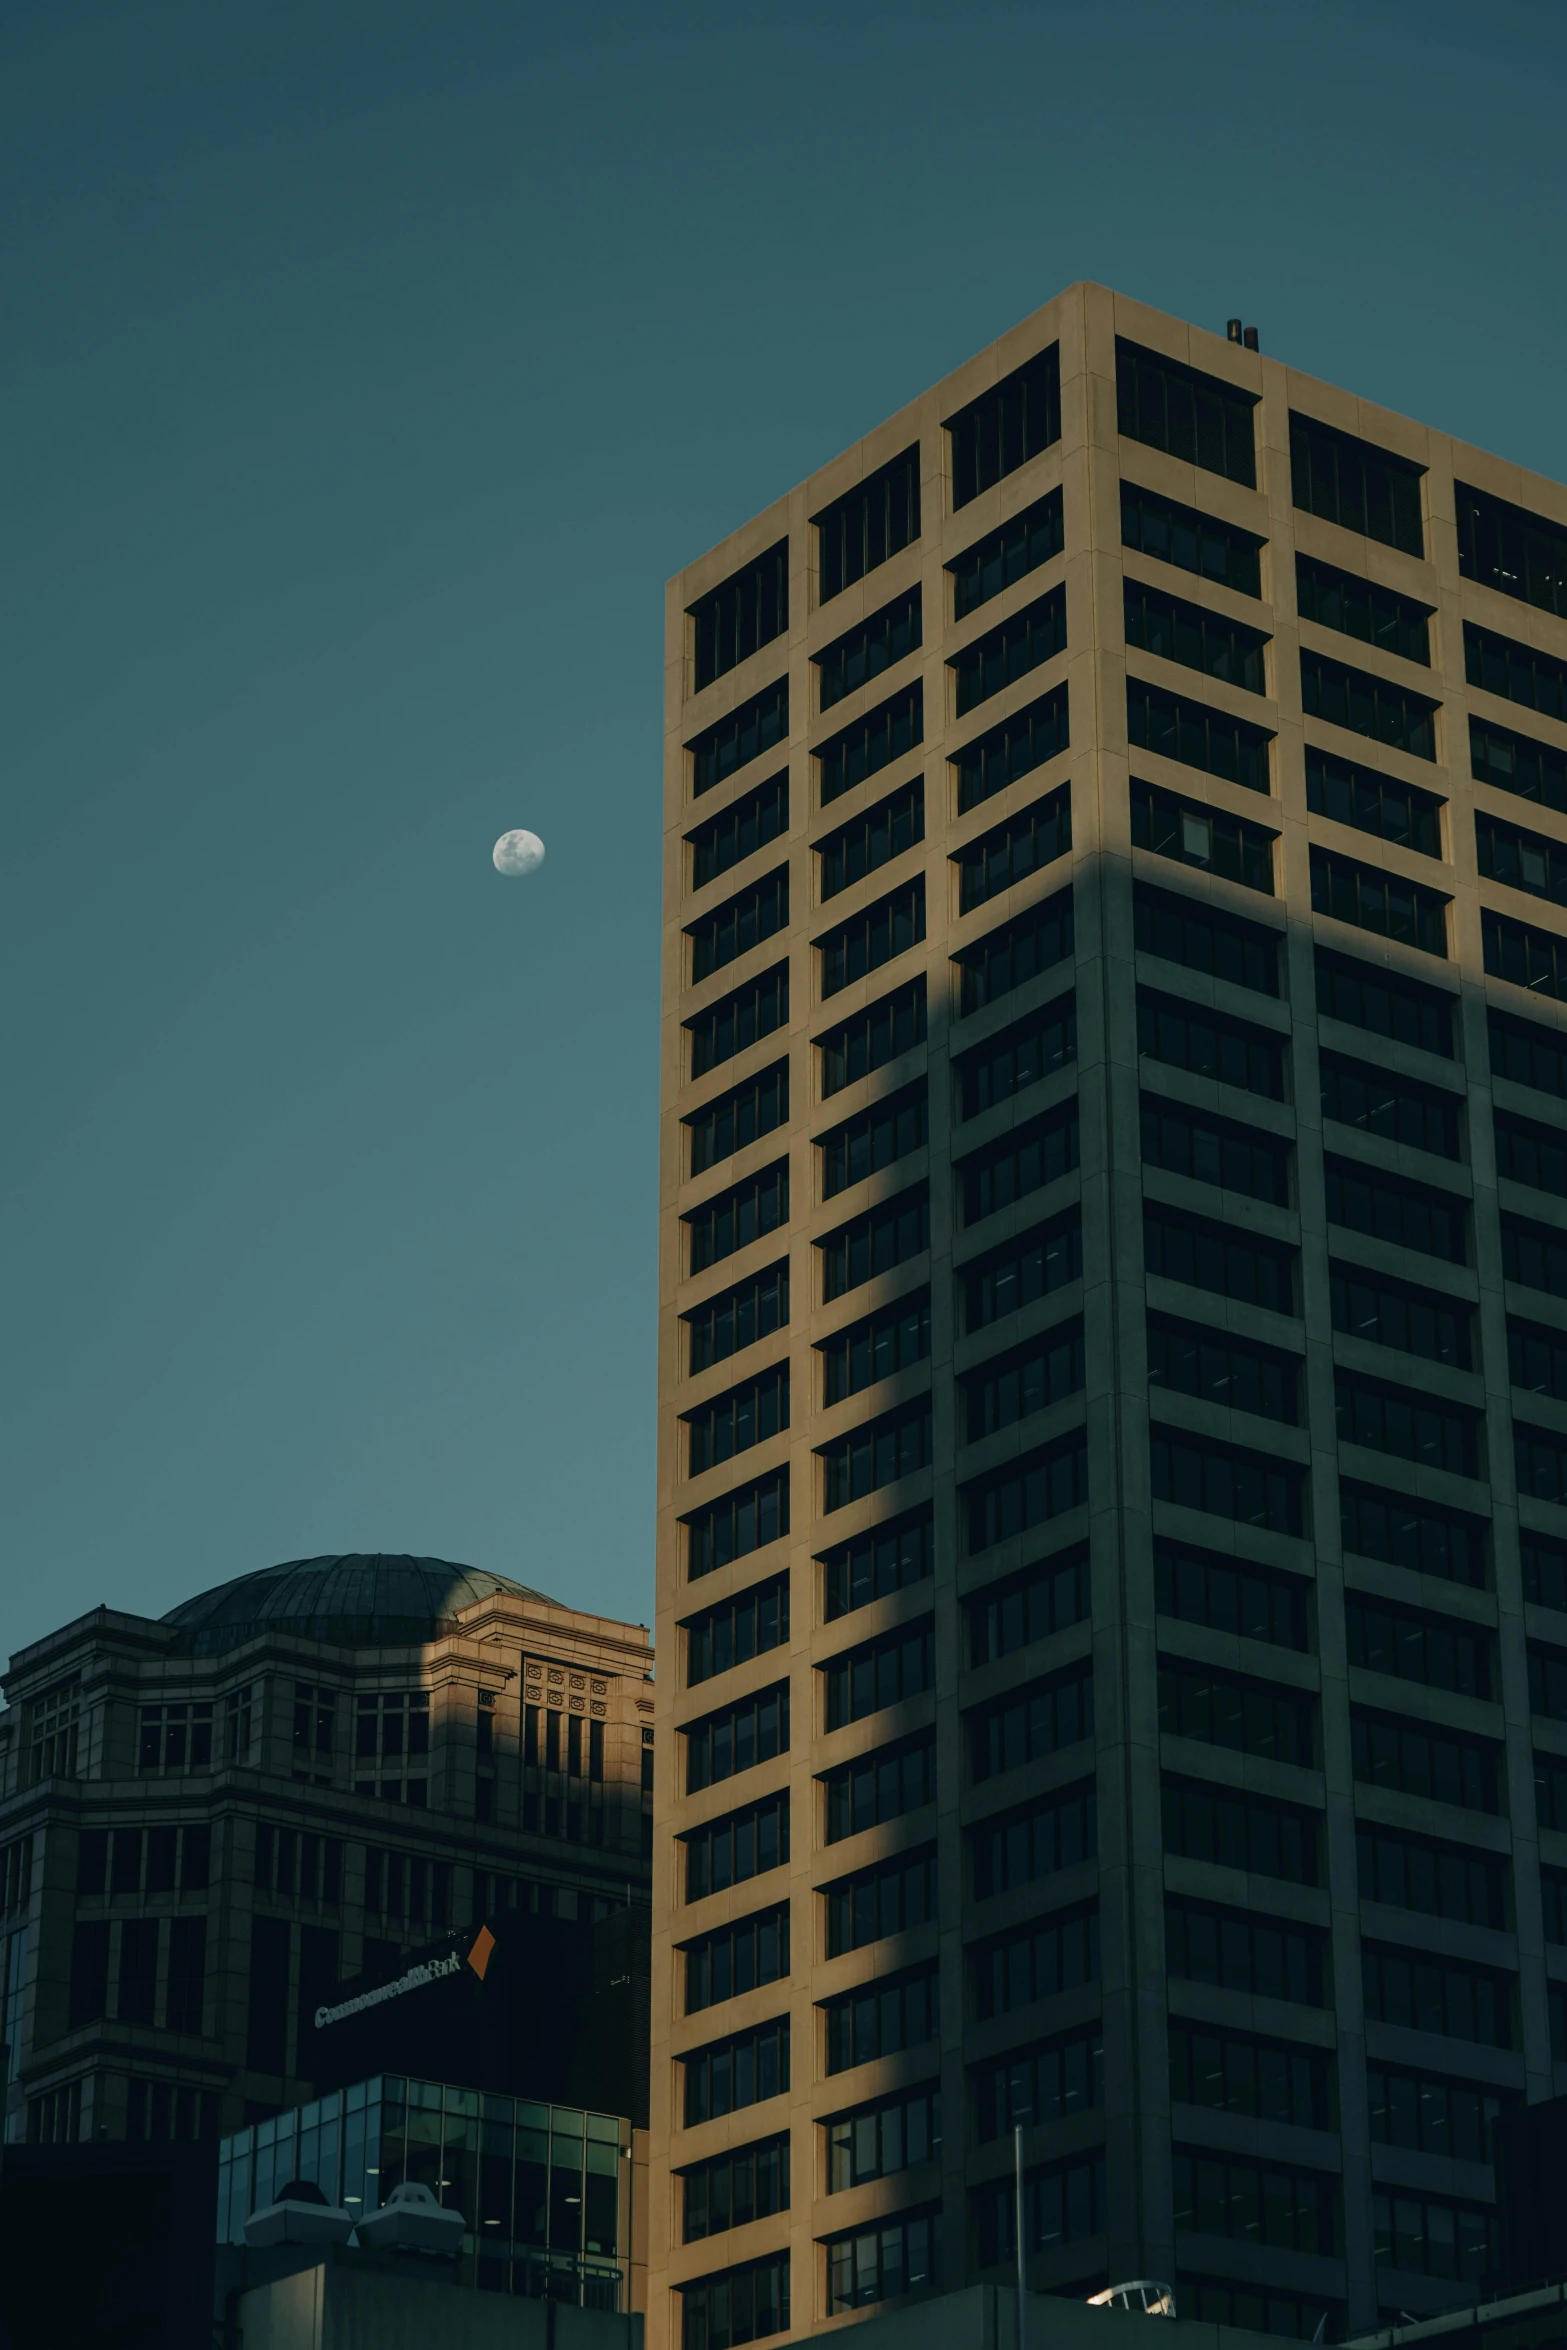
(209,1821)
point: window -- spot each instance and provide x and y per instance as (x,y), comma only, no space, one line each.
(1197,417)
(868,524)
(1200,938)
(402,1886)
(880,1786)
(734,1319)
(1029,1491)
(1019,1163)
(1398,1109)
(1368,705)
(732,1422)
(1536,1155)
(1208,1044)
(1345,601)
(739,830)
(1537,1358)
(1216,1257)
(1548,1683)
(89,1994)
(1439,1766)
(237,1720)
(1378,901)
(737,1738)
(1248,1717)
(1379,1525)
(1028,1724)
(877,2141)
(744,612)
(138,1984)
(729,2074)
(1456,2119)
(890,1340)
(1355,484)
(1174,630)
(873,645)
(1043,1599)
(1047,1956)
(52,1724)
(1019,1847)
(879,1673)
(1220,2195)
(737,1958)
(1550,1792)
(1541,1461)
(1032,1049)
(1214,1150)
(1006,555)
(1237,1831)
(1005,426)
(741,923)
(1031,2086)
(1435,1995)
(1530,958)
(1239,1950)
(1061,2205)
(315,1711)
(1435,2238)
(729,1121)
(1368,802)
(1518,673)
(1385,1207)
(896,2256)
(741,1845)
(888,1131)
(733,2189)
(1029,1378)
(873,936)
(1196,736)
(1025,844)
(1544,1570)
(881,2017)
(1014,748)
(1412,1426)
(738,2305)
(1269,2080)
(893,1025)
(1507,548)
(731,1220)
(737,1021)
(179,1738)
(392,1733)
(730,1634)
(1008,958)
(1393,1313)
(1384,1003)
(892,1899)
(1534,1255)
(1196,1473)
(1217,2302)
(1521,860)
(1435,1651)
(1438,1880)
(1191,541)
(1515,763)
(1034,1265)
(877,1453)
(877,1242)
(1025,640)
(1205,837)
(871,743)
(292,1865)
(1229,1595)
(1553,1888)
(870,841)
(887,1558)
(721,750)
(16,1872)
(1191,1359)
(736,1523)
(55,2118)
(187,1974)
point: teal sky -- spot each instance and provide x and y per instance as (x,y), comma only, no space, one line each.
(368,369)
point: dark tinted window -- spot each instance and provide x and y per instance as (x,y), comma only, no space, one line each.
(1010,553)
(738,925)
(1025,1054)
(1378,901)
(1386,1207)
(739,1020)
(1508,548)
(1205,837)
(874,645)
(1394,1313)
(1377,1524)
(1196,736)
(733,1219)
(1516,763)
(1384,1003)
(1529,861)
(1527,1054)
(1210,1149)
(1196,638)
(893,1025)
(1368,705)
(1016,747)
(1008,958)
(1022,642)
(1235,1372)
(731,1120)
(1357,607)
(888,1131)
(872,937)
(1011,851)
(746,611)
(1230,1595)
(1399,1109)
(1180,930)
(736,1318)
(1014,1275)
(1219,1258)
(1536,1155)
(888,1558)
(885,1237)
(1190,540)
(1499,665)
(1356,484)
(868,524)
(872,840)
(733,742)
(1005,426)
(1531,958)
(1373,803)
(1412,1426)
(1189,414)
(739,830)
(871,743)
(1209,1044)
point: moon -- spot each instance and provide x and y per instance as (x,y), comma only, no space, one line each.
(516,853)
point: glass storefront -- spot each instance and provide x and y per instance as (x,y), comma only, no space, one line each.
(543,2188)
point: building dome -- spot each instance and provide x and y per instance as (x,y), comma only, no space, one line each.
(366,1599)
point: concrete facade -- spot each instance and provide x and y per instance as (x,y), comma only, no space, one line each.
(1143,2132)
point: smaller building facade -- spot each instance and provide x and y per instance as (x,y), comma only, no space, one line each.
(209,1822)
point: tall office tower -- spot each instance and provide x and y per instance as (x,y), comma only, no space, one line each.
(1113,1569)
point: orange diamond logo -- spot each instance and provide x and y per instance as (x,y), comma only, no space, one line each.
(479,1955)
